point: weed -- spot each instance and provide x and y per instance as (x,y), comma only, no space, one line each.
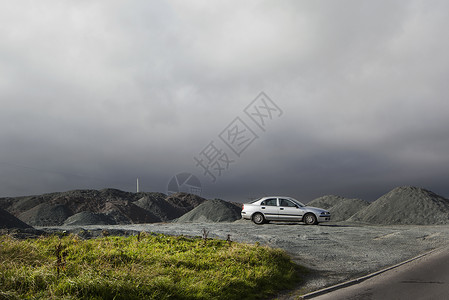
(205,234)
(228,239)
(60,258)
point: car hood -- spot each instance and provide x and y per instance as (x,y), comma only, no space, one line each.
(315,209)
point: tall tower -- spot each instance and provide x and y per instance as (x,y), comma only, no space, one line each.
(137,184)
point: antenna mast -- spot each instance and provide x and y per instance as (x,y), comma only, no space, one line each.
(137,184)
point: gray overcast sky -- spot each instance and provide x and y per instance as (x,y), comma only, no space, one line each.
(96,93)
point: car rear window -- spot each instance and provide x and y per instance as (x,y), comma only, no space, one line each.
(269,202)
(254,201)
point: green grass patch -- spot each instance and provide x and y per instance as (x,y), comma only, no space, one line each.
(153,267)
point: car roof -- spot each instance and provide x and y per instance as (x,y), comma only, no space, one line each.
(265,197)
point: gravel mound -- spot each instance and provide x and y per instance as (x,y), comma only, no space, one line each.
(340,208)
(406,205)
(46,214)
(125,212)
(18,205)
(346,208)
(184,202)
(9,221)
(89,218)
(212,211)
(122,207)
(168,208)
(325,202)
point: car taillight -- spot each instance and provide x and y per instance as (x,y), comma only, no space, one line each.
(243,206)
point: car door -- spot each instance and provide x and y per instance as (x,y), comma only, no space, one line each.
(289,211)
(270,209)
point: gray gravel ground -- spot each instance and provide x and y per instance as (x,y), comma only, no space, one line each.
(335,251)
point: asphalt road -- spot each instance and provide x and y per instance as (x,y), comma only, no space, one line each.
(424,278)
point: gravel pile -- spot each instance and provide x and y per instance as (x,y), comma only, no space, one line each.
(340,208)
(347,208)
(325,202)
(212,211)
(46,214)
(122,207)
(128,213)
(89,218)
(403,205)
(18,205)
(156,203)
(168,208)
(184,202)
(406,205)
(9,221)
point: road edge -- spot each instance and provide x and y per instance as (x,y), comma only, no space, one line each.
(363,278)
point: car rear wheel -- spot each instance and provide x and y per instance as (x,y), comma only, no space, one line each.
(310,219)
(258,218)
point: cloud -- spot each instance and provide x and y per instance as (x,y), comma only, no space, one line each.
(95,94)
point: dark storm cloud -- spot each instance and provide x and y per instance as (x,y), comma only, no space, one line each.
(95,94)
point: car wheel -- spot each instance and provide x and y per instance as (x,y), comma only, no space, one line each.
(310,219)
(258,218)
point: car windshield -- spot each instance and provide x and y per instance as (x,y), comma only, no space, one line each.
(297,202)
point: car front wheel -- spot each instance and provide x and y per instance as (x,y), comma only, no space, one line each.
(258,218)
(310,219)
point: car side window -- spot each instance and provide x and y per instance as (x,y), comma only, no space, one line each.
(286,203)
(269,202)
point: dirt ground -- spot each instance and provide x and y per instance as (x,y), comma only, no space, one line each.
(334,251)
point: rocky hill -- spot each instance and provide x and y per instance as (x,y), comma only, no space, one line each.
(108,205)
(406,205)
(340,208)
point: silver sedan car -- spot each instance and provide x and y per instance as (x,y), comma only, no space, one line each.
(277,208)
